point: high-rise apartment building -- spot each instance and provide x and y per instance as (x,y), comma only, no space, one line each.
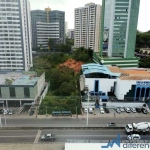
(87,27)
(121,17)
(48,24)
(15,35)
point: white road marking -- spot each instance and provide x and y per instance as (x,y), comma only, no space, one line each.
(37,136)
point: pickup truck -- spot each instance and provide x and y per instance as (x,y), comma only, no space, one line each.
(48,137)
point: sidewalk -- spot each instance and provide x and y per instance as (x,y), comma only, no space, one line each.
(51,146)
(123,115)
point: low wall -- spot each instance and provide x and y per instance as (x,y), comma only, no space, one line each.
(121,104)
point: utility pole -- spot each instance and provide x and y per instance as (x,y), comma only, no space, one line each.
(1,121)
(87,109)
(76,112)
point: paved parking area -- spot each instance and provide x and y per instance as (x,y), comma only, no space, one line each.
(113,113)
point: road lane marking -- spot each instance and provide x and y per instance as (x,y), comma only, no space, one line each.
(37,136)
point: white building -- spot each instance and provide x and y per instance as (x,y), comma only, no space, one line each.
(45,31)
(87,26)
(15,35)
(124,84)
(66,28)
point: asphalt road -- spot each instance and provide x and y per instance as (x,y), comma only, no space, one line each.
(69,122)
(33,136)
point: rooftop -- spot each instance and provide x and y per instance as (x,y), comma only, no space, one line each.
(18,78)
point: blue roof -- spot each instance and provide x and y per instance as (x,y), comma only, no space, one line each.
(97,68)
(104,97)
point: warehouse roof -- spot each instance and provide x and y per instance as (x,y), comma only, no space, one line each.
(97,68)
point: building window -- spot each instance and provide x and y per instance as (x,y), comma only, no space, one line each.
(26,93)
(12,92)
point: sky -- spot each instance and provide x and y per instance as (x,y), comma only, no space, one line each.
(69,5)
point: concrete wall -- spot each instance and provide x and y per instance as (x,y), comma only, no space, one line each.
(104,84)
(121,104)
(122,87)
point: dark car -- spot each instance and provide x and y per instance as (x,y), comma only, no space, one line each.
(1,111)
(138,110)
(106,110)
(48,137)
(144,111)
(31,112)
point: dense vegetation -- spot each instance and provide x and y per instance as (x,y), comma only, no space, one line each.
(64,82)
(143,41)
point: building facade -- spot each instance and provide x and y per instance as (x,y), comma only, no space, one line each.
(70,33)
(46,31)
(17,88)
(87,26)
(123,84)
(121,17)
(47,19)
(15,35)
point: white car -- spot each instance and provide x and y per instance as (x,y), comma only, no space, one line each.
(121,109)
(11,112)
(85,110)
(5,112)
(90,110)
(134,137)
(102,110)
(127,110)
(133,110)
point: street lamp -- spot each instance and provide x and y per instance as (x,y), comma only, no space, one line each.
(46,110)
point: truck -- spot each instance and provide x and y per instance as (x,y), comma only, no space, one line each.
(142,127)
(46,137)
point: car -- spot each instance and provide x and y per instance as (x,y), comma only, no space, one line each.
(90,110)
(127,110)
(48,137)
(121,109)
(5,112)
(138,110)
(11,111)
(133,110)
(1,111)
(111,124)
(144,111)
(31,112)
(118,110)
(133,137)
(85,110)
(106,110)
(101,110)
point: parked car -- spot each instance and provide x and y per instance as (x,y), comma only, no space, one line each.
(134,137)
(111,124)
(144,111)
(31,112)
(138,110)
(1,111)
(101,110)
(133,110)
(127,110)
(118,110)
(85,110)
(106,110)
(5,112)
(11,111)
(91,110)
(48,137)
(121,109)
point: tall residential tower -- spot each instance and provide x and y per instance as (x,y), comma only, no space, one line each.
(87,26)
(15,35)
(121,17)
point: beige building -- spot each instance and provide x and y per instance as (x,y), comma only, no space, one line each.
(87,26)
